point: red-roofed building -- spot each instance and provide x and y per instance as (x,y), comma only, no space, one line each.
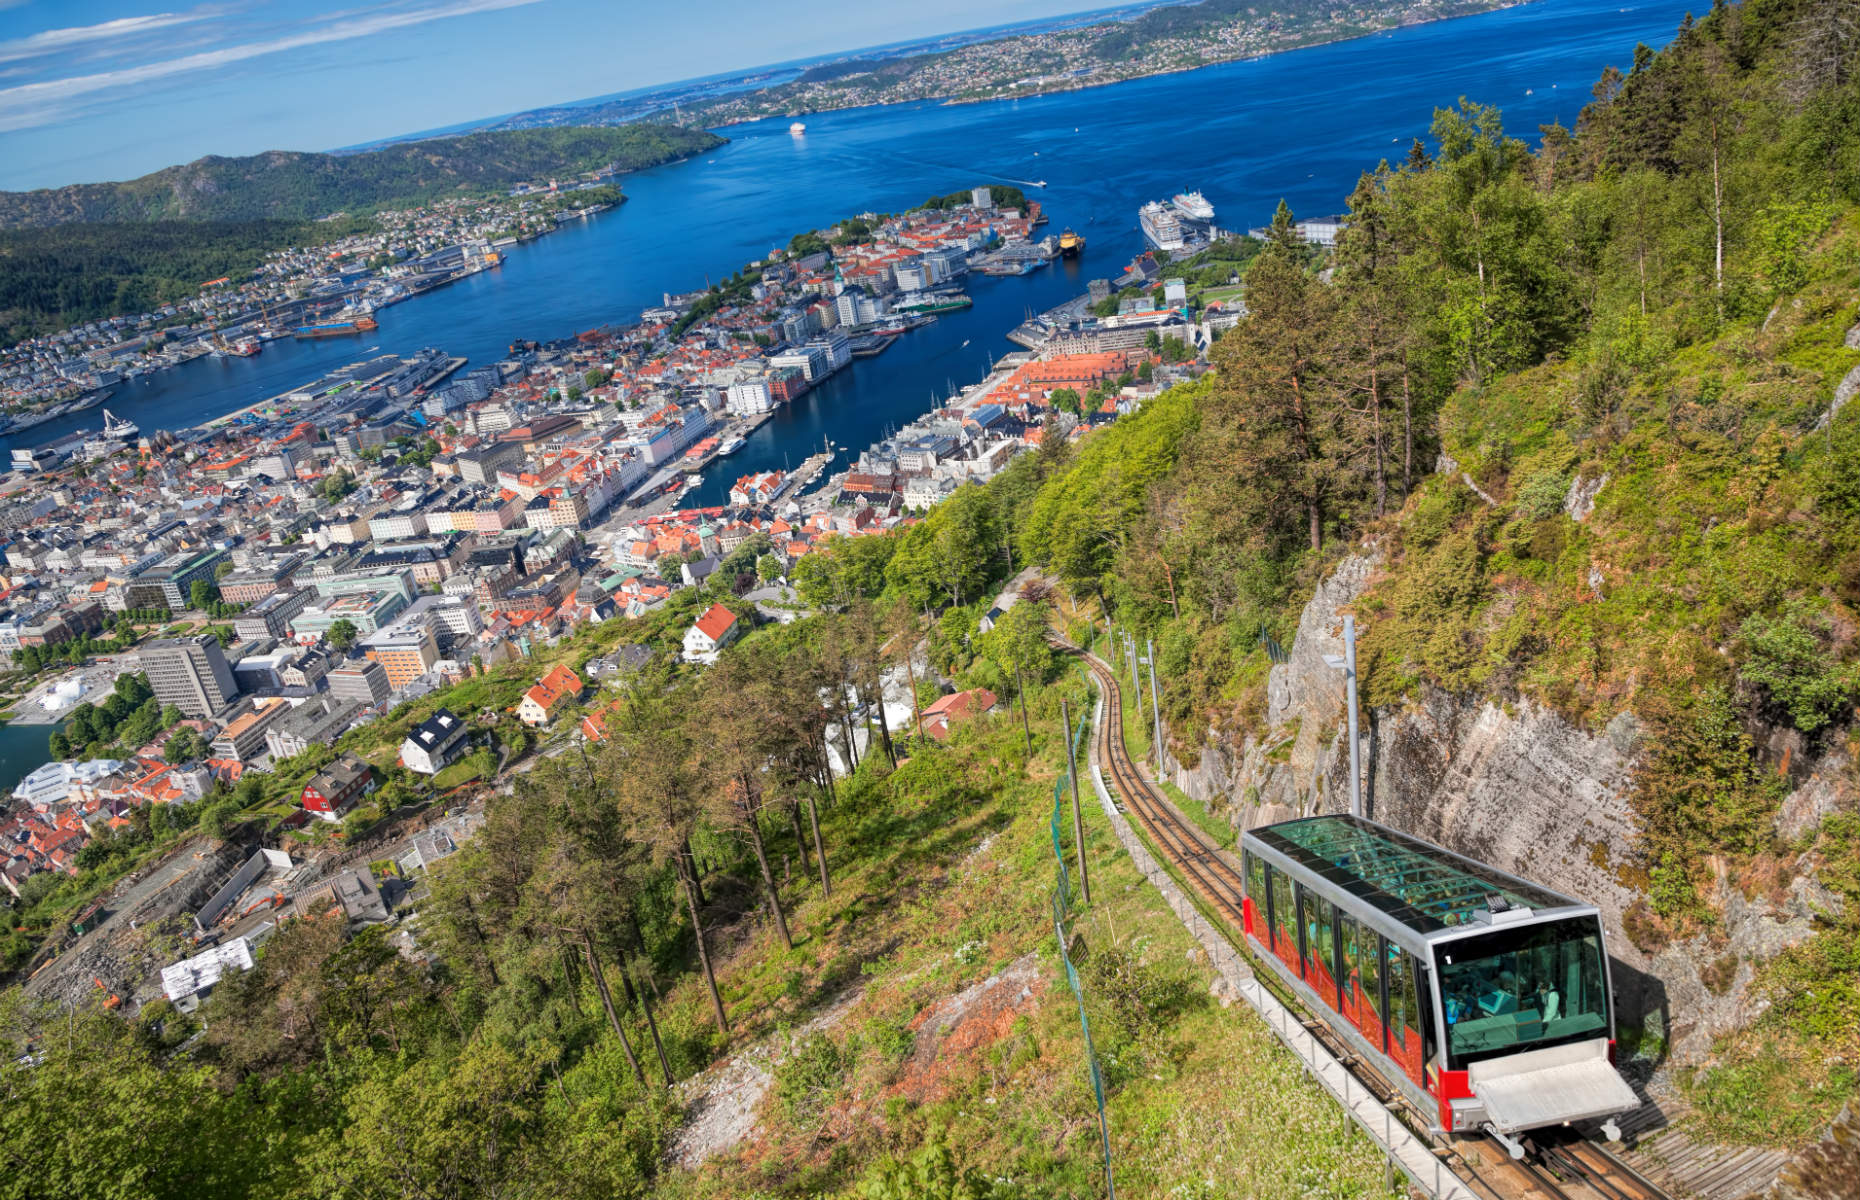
(955,709)
(541,703)
(717,628)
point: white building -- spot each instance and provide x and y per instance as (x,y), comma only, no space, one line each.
(748,397)
(710,633)
(191,976)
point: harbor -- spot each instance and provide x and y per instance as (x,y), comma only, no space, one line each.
(587,273)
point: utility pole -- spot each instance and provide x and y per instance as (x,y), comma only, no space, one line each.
(1155,704)
(1136,679)
(1347,664)
(1078,822)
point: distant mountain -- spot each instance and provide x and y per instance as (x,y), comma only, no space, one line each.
(293,185)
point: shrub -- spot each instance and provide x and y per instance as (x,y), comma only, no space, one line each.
(810,1077)
(1789,663)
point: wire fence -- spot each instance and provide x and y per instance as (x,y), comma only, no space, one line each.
(1062,911)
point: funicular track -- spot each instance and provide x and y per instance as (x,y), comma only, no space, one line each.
(1558,1166)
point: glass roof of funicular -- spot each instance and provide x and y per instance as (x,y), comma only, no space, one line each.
(1422,886)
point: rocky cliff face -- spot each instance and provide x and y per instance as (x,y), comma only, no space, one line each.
(1516,785)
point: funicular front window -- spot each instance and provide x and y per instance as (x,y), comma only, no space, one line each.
(1524,988)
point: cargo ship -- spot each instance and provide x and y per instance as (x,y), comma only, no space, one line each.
(1070,243)
(337,328)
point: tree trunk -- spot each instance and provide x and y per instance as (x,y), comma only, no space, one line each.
(800,839)
(692,873)
(477,933)
(607,1002)
(820,851)
(754,824)
(884,727)
(689,883)
(846,729)
(1717,219)
(1315,522)
(1021,685)
(652,1027)
(1382,479)
(910,671)
(1407,432)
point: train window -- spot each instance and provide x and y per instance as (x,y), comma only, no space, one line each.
(1320,945)
(1362,978)
(1531,986)
(1284,918)
(1424,1000)
(1375,1021)
(1400,987)
(1256,884)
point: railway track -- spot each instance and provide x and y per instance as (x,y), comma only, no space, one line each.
(1556,1167)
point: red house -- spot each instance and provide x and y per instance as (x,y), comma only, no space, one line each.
(334,790)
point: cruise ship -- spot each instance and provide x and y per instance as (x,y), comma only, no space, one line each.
(1160,226)
(1194,206)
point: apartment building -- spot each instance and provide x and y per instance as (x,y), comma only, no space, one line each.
(365,682)
(190,673)
(406,650)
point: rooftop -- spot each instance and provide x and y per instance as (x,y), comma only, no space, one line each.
(1417,883)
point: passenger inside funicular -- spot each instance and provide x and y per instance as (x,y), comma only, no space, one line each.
(1540,984)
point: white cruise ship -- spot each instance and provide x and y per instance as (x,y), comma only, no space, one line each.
(1160,226)
(1194,206)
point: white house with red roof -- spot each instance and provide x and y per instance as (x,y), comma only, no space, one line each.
(717,628)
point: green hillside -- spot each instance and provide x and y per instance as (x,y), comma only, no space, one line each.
(294,185)
(1656,305)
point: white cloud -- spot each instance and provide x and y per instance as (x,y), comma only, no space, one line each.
(31,104)
(53,40)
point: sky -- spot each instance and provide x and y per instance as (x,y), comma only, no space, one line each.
(95,90)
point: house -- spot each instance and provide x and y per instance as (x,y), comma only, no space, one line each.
(434,743)
(717,628)
(540,704)
(335,789)
(354,893)
(594,725)
(956,709)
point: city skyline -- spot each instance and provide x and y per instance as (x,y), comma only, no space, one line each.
(105,90)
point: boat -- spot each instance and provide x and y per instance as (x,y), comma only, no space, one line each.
(933,302)
(798,128)
(1039,183)
(118,430)
(245,347)
(731,446)
(336,328)
(1070,243)
(1194,206)
(1160,226)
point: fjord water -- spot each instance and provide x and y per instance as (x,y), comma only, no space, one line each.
(1300,126)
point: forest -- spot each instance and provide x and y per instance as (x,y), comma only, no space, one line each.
(290,185)
(1660,297)
(69,274)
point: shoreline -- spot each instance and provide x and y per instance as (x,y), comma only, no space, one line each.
(1079,85)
